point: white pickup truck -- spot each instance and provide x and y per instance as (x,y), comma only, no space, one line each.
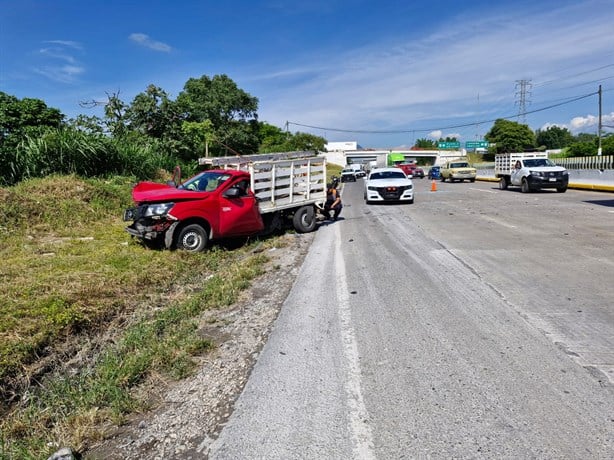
(530,171)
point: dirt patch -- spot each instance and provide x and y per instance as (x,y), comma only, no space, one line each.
(189,414)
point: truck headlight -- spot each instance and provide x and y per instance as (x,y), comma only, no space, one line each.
(537,173)
(158,209)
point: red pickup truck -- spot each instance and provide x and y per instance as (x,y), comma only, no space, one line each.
(226,203)
(412,170)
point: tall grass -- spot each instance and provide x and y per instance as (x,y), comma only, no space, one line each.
(87,315)
(71,151)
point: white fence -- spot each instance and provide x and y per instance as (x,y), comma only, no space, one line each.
(605,162)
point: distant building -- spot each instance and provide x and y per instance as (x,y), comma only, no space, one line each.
(342,146)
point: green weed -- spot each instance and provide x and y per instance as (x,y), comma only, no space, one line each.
(88,315)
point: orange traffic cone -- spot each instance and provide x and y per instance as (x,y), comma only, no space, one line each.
(433,186)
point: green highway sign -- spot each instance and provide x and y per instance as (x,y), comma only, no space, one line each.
(448,145)
(477,144)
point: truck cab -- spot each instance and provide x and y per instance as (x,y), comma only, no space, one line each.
(530,171)
(211,205)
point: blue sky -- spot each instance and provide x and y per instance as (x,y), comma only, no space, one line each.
(380,73)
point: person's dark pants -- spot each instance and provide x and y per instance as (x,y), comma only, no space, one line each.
(336,211)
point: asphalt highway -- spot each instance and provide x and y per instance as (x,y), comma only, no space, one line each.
(474,323)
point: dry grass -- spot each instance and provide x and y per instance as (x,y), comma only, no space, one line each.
(87,314)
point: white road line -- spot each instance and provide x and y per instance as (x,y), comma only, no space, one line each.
(358,416)
(481,190)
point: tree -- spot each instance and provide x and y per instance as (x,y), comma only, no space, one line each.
(199,134)
(17,116)
(88,124)
(607,145)
(272,138)
(306,142)
(585,137)
(231,111)
(20,119)
(153,113)
(509,136)
(116,117)
(425,144)
(554,137)
(582,149)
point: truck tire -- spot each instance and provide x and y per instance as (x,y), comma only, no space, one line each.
(562,189)
(304,219)
(192,238)
(524,186)
(503,184)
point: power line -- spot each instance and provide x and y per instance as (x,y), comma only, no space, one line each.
(572,76)
(465,125)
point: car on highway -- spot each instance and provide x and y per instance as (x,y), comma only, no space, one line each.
(412,170)
(434,172)
(388,184)
(348,175)
(458,170)
(419,172)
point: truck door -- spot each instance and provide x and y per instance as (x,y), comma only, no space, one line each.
(240,215)
(516,176)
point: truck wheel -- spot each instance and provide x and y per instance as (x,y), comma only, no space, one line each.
(503,183)
(562,189)
(524,186)
(192,238)
(443,179)
(304,219)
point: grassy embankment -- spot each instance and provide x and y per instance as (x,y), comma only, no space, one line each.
(87,316)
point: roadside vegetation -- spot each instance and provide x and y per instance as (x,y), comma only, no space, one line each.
(90,316)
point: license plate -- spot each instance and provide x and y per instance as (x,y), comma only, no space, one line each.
(552,179)
(129,214)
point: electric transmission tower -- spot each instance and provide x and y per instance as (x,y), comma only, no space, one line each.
(523,93)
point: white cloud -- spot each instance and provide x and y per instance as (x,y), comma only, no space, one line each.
(62,74)
(146,41)
(436,134)
(577,124)
(65,43)
(60,64)
(54,53)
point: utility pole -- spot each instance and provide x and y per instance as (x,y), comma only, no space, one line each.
(525,89)
(599,125)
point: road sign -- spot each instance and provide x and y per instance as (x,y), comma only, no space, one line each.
(448,145)
(477,144)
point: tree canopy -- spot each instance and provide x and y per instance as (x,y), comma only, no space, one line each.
(425,144)
(510,136)
(554,137)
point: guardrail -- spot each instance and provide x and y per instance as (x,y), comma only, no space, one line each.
(601,163)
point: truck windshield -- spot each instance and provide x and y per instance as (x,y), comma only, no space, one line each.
(535,162)
(205,182)
(459,165)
